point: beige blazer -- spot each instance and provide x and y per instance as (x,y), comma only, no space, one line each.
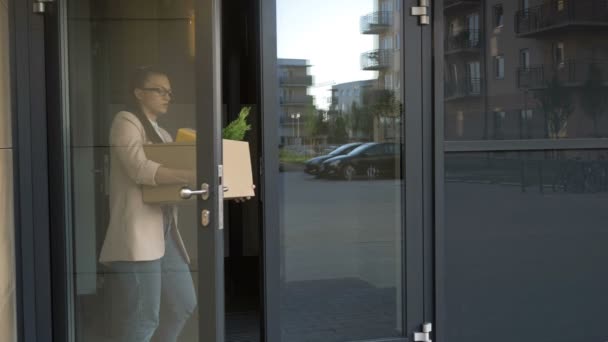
(136,231)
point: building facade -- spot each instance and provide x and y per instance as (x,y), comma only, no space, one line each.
(385,25)
(295,101)
(507,62)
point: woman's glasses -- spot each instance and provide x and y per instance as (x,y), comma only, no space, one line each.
(160,91)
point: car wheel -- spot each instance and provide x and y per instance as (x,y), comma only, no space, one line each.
(348,172)
(372,172)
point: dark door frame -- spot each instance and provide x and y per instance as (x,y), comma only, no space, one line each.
(29,88)
(418,195)
(43,246)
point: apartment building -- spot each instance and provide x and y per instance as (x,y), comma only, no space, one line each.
(294,98)
(385,24)
(525,69)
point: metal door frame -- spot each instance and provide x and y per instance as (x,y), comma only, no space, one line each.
(31,184)
(48,294)
(416,162)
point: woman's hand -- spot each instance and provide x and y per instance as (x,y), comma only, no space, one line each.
(243,199)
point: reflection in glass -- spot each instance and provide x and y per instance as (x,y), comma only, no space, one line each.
(131,276)
(544,58)
(525,245)
(340,121)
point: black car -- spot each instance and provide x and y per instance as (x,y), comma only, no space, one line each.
(312,166)
(371,160)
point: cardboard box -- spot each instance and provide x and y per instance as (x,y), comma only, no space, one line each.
(238,177)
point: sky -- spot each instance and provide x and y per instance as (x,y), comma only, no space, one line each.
(327,34)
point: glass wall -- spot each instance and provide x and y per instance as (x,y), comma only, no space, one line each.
(526,245)
(340,120)
(7,242)
(525,173)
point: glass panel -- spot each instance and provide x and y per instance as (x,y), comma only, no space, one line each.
(561,81)
(131,67)
(341,209)
(525,246)
(8,324)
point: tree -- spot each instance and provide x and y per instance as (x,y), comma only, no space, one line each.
(339,135)
(594,99)
(556,103)
(361,121)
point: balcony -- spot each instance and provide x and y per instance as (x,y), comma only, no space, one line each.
(376,23)
(463,41)
(560,15)
(568,74)
(296,81)
(469,87)
(376,59)
(450,5)
(296,101)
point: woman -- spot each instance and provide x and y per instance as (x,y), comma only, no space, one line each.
(148,264)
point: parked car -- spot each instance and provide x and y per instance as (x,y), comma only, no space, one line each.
(371,160)
(312,166)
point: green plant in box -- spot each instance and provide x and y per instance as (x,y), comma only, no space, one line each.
(237,129)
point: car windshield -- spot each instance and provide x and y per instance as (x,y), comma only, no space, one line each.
(342,149)
(361,148)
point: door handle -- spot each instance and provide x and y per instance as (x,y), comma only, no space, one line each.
(187,193)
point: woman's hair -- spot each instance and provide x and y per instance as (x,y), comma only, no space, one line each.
(138,81)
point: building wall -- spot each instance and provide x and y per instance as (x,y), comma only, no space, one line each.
(495,112)
(294,82)
(7,268)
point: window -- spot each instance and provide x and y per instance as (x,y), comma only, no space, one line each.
(388,82)
(473,27)
(499,119)
(558,54)
(387,43)
(397,41)
(524,59)
(561,5)
(474,77)
(454,72)
(499,67)
(386,6)
(525,5)
(498,16)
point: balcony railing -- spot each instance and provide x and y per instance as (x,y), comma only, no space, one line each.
(463,40)
(557,14)
(296,81)
(463,88)
(301,100)
(377,22)
(376,59)
(568,73)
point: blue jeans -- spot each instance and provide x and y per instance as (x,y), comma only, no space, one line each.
(151,300)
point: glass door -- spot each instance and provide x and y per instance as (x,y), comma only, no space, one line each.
(142,145)
(343,218)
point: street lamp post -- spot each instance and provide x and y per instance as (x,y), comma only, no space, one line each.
(296,118)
